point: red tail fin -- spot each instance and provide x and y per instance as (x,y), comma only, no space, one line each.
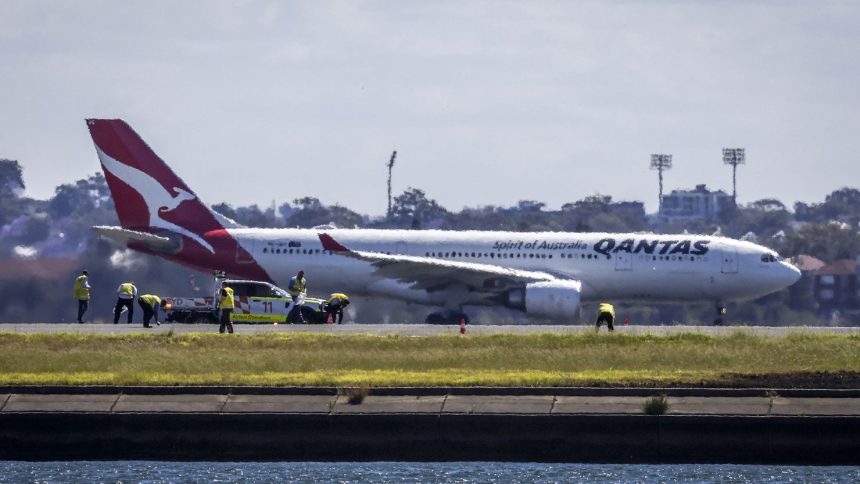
(147,194)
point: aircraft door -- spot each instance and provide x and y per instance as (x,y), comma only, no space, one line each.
(623,261)
(730,260)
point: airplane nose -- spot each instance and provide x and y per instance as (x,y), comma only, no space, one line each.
(792,273)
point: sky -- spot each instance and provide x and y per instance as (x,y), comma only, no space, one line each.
(486,102)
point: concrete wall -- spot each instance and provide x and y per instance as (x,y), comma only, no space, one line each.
(430,437)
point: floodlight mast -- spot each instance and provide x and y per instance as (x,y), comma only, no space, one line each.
(390,166)
(661,162)
(734,157)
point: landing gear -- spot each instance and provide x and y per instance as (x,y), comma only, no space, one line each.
(721,311)
(446,317)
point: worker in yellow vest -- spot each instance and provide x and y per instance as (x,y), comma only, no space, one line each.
(125,295)
(226,305)
(334,307)
(150,305)
(297,287)
(606,313)
(82,294)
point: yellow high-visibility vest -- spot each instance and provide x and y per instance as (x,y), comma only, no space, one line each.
(606,308)
(338,298)
(82,292)
(227,301)
(127,289)
(296,286)
(150,299)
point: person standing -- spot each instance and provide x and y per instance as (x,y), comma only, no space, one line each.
(226,305)
(150,305)
(334,307)
(126,292)
(606,313)
(82,294)
(297,288)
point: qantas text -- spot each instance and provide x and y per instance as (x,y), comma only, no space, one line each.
(633,246)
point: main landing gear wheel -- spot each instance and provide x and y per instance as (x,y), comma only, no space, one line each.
(721,312)
(446,317)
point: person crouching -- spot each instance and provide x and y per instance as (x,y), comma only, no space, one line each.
(606,313)
(334,307)
(150,305)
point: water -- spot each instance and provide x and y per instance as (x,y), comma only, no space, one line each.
(382,472)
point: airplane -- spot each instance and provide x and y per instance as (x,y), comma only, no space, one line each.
(545,275)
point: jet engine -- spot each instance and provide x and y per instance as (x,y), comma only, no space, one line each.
(558,299)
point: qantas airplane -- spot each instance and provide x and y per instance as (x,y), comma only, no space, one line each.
(546,275)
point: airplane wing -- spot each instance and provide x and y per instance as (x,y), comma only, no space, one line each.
(433,274)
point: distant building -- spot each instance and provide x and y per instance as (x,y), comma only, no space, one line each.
(802,293)
(835,287)
(807,263)
(698,204)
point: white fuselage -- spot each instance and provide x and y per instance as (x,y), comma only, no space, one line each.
(612,267)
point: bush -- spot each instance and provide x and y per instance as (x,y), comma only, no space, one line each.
(355,395)
(656,405)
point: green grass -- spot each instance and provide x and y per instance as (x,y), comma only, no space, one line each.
(446,360)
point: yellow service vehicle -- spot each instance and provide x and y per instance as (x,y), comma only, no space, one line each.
(256,302)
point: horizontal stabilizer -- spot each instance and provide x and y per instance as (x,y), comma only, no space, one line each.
(125,236)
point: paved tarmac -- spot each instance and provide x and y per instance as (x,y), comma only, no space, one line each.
(412,329)
(432,404)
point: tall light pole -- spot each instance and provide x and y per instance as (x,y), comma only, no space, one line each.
(661,162)
(734,157)
(390,166)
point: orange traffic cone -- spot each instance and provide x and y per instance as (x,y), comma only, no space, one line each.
(330,318)
(462,325)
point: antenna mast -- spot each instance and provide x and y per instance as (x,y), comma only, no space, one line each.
(661,162)
(734,157)
(390,166)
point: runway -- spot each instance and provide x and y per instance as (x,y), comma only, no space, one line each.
(415,329)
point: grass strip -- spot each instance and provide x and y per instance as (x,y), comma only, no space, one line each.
(310,359)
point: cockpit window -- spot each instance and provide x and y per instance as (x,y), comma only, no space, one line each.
(769,258)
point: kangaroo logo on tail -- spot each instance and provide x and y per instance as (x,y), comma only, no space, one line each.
(157,198)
